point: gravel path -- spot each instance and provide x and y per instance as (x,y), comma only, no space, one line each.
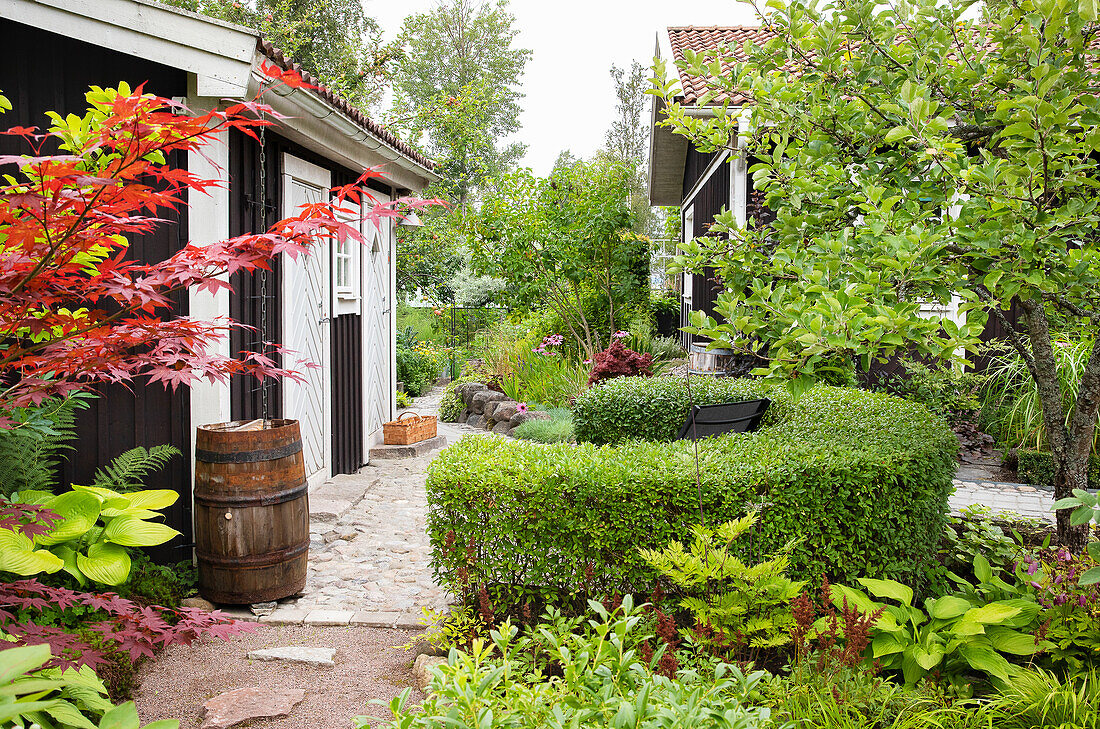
(368,666)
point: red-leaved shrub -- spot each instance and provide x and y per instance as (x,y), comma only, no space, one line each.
(619,361)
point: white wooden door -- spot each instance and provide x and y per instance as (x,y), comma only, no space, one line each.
(306,316)
(377,323)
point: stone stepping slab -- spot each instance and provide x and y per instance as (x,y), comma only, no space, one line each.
(245,704)
(309,655)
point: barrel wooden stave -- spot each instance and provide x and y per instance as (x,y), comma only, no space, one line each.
(259,553)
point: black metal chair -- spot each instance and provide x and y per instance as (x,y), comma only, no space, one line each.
(705,421)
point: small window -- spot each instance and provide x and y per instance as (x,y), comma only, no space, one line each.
(346,274)
(345,283)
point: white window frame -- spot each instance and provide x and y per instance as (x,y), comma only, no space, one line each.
(348,294)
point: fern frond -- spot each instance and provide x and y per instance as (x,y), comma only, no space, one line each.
(127,472)
(30,449)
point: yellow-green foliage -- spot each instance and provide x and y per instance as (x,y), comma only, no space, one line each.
(741,605)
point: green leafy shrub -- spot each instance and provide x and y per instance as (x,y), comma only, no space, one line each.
(945,391)
(402,399)
(600,680)
(738,609)
(1037,467)
(862,478)
(558,429)
(418,368)
(644,408)
(158,584)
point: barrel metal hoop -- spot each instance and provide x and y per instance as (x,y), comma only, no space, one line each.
(270,498)
(266,454)
(253,560)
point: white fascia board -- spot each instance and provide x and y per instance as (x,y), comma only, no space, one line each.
(219,54)
(320,127)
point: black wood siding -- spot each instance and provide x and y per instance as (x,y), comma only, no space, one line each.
(43,71)
(347,393)
(712,198)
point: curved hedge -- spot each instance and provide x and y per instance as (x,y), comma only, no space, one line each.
(862,478)
(644,408)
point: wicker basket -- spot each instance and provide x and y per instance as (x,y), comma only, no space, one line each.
(408,431)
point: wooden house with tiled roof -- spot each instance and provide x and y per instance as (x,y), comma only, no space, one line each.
(334,308)
(701,184)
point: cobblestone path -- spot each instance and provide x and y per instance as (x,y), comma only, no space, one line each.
(368,552)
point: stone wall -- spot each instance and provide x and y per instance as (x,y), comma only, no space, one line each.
(492,410)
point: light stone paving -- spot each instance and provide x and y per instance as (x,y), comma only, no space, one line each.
(369,550)
(1004,497)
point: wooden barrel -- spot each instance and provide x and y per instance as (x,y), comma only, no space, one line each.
(251,512)
(703,361)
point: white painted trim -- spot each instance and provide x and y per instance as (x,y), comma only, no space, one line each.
(322,128)
(739,178)
(719,159)
(208,222)
(349,300)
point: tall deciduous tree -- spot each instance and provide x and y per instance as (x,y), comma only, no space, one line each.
(627,139)
(562,241)
(912,154)
(458,86)
(334,40)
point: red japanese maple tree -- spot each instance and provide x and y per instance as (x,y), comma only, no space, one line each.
(74,309)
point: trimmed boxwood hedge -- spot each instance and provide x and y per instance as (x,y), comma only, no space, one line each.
(861,478)
(1037,467)
(644,408)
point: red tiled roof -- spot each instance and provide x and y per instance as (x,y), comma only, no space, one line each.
(284,62)
(707,39)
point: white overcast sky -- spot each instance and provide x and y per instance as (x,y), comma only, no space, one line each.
(569,95)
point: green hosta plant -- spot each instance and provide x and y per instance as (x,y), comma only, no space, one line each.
(31,696)
(738,606)
(954,634)
(90,541)
(1086,510)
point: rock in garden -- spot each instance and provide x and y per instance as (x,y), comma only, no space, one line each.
(245,704)
(347,533)
(481,399)
(502,428)
(422,675)
(467,389)
(310,655)
(505,411)
(520,418)
(197,602)
(263,608)
(476,421)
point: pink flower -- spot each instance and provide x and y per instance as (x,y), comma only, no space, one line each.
(521,408)
(620,335)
